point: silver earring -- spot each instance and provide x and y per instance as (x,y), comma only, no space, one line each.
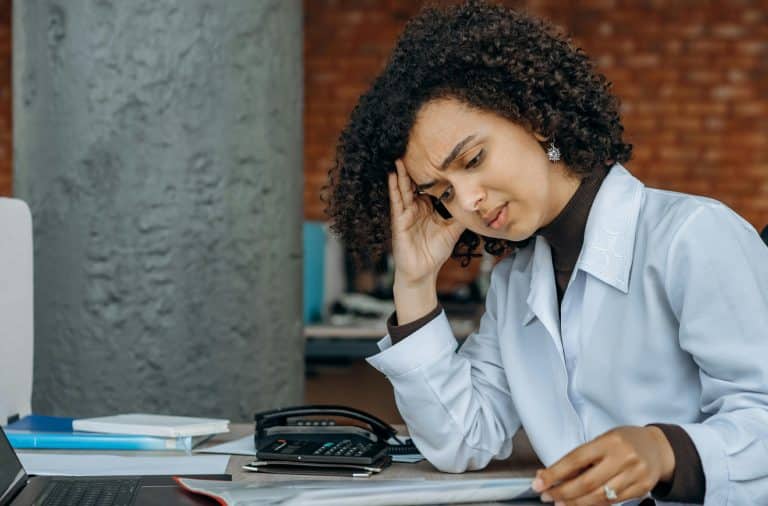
(553,153)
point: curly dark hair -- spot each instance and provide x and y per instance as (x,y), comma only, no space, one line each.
(491,58)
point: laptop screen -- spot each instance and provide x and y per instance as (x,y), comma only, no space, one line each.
(12,475)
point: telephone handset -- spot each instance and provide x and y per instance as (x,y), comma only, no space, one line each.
(440,208)
(296,434)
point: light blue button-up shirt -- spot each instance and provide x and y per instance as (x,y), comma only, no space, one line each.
(665,319)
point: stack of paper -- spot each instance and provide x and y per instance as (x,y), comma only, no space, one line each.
(95,464)
(152,425)
(354,492)
(52,432)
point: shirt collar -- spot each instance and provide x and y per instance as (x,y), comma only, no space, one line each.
(609,242)
(565,234)
(609,238)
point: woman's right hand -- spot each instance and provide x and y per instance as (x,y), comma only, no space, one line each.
(421,239)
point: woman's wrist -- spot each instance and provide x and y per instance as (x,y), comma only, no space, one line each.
(414,299)
(666,453)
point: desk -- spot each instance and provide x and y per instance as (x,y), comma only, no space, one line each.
(522,463)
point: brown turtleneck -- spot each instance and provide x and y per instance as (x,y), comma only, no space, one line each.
(565,236)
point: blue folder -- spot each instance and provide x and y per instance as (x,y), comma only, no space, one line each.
(54,432)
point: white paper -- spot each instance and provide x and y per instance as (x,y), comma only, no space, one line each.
(370,493)
(246,446)
(152,425)
(80,464)
(407,459)
(242,446)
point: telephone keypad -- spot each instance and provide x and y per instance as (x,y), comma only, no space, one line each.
(330,449)
(344,448)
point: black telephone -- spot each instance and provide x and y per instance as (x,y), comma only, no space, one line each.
(288,434)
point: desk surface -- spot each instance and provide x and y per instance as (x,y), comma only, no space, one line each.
(522,463)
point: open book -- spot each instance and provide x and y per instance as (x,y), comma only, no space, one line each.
(355,492)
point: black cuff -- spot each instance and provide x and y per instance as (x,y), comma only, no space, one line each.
(688,482)
(400,332)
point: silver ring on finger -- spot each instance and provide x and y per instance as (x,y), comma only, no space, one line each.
(610,493)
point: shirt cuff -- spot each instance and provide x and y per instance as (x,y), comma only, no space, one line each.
(426,346)
(399,332)
(688,481)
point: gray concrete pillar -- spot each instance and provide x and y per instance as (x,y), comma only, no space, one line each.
(159,145)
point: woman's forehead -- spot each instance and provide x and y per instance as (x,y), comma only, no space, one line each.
(439,127)
(424,157)
(438,120)
(429,146)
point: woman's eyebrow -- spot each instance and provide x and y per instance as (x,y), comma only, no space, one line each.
(456,151)
(448,161)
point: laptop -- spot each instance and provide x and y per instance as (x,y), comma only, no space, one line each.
(17,488)
(16,308)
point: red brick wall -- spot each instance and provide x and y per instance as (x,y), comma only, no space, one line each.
(692,76)
(6,101)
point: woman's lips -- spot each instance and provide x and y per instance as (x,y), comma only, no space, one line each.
(500,219)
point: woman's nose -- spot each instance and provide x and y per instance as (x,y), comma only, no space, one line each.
(469,195)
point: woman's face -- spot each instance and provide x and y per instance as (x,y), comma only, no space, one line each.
(491,174)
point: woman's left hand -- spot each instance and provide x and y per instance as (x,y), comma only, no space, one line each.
(628,460)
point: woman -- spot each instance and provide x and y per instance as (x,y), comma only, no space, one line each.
(625,327)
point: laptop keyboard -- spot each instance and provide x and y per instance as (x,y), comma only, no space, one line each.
(89,492)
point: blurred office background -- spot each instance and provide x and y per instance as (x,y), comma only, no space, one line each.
(693,81)
(692,76)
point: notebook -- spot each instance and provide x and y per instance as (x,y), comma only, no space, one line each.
(152,425)
(53,432)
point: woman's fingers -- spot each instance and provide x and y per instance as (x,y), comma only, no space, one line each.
(574,475)
(587,486)
(395,199)
(624,459)
(624,488)
(453,226)
(404,183)
(621,487)
(572,464)
(410,208)
(405,204)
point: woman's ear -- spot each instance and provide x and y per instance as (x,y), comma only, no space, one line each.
(539,137)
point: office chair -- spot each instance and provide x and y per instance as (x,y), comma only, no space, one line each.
(16,314)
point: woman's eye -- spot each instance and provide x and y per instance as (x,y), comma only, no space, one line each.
(446,195)
(476,160)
